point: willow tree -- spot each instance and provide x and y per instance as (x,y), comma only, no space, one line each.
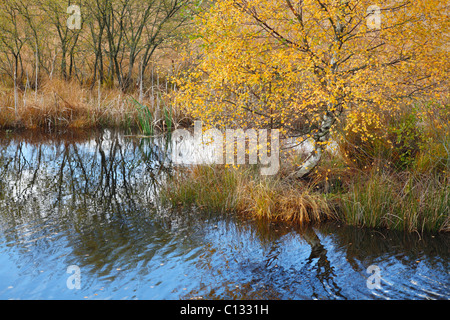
(303,66)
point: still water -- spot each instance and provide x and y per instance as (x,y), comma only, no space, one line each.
(79,219)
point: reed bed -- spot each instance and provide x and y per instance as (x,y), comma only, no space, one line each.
(409,202)
(406,202)
(243,191)
(60,103)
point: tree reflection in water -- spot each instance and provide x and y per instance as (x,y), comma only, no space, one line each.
(76,181)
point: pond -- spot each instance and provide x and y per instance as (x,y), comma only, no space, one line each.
(79,219)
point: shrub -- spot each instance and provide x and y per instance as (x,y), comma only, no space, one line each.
(394,139)
(406,138)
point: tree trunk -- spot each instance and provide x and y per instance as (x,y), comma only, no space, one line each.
(63,63)
(320,140)
(37,72)
(321,137)
(16,95)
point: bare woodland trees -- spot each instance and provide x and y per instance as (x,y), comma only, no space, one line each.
(115,43)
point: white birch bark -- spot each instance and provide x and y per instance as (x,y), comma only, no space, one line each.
(320,140)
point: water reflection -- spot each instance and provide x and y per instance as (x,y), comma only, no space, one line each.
(90,200)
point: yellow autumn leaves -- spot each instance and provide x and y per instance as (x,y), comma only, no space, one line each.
(286,64)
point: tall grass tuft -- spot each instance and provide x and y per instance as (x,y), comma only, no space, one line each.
(407,202)
(145,118)
(241,190)
(168,118)
(149,121)
(274,199)
(207,187)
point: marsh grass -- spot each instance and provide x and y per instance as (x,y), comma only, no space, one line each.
(60,103)
(145,118)
(378,197)
(274,199)
(207,187)
(400,179)
(242,190)
(404,201)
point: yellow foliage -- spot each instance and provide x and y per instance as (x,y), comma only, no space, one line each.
(286,65)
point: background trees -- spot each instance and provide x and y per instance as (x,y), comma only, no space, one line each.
(115,44)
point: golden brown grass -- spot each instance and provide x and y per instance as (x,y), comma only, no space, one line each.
(60,103)
(243,191)
(403,201)
(274,199)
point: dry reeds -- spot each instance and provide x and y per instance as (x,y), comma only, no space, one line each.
(274,199)
(404,201)
(242,191)
(61,103)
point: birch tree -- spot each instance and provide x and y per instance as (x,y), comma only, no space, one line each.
(303,66)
